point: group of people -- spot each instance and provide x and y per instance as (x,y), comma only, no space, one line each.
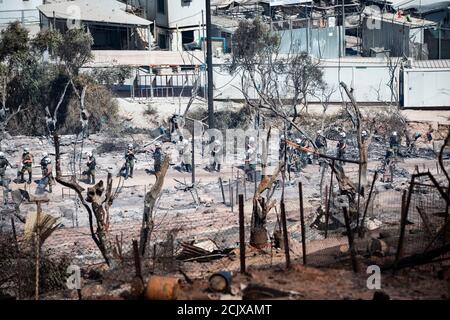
(46,180)
(127,169)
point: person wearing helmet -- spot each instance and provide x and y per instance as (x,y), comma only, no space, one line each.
(341,146)
(321,144)
(157,157)
(216,155)
(27,166)
(130,158)
(250,162)
(321,141)
(47,172)
(181,146)
(394,143)
(187,155)
(364,136)
(430,133)
(91,165)
(4,182)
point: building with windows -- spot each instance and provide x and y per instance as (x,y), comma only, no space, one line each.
(109,23)
(178,24)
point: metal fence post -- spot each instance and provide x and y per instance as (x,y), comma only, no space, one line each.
(302,222)
(285,235)
(241,233)
(350,240)
(221,189)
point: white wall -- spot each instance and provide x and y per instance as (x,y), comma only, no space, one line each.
(370,83)
(10,10)
(427,88)
(185,14)
(178,12)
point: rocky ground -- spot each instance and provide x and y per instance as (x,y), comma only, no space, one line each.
(209,221)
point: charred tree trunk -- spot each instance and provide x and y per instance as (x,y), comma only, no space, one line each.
(149,204)
(99,208)
(362,145)
(261,207)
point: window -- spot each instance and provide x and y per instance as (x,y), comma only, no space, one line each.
(162,43)
(162,6)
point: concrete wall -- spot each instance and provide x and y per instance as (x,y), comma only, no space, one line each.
(179,13)
(426,88)
(370,82)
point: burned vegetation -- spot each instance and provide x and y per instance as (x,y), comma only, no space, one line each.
(155,204)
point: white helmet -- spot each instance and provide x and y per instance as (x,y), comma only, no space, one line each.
(158,144)
(298,140)
(319,131)
(364,133)
(343,134)
(2,155)
(394,133)
(251,140)
(44,154)
(89,154)
(26,150)
(130,146)
(217,142)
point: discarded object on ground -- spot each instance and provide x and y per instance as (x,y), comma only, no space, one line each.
(220,281)
(373,224)
(256,292)
(377,247)
(162,288)
(201,252)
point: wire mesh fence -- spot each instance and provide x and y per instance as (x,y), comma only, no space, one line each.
(425,224)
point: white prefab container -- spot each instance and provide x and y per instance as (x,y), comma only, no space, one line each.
(426,88)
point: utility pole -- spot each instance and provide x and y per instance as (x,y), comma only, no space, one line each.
(209,64)
(343,28)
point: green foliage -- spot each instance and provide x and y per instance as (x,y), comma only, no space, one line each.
(224,119)
(14,41)
(112,75)
(253,43)
(34,84)
(47,40)
(74,50)
(102,108)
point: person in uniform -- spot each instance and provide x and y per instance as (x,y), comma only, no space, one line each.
(341,147)
(394,143)
(91,165)
(27,166)
(157,157)
(47,172)
(216,155)
(129,161)
(4,182)
(187,155)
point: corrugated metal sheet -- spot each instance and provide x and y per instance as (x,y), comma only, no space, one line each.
(431,64)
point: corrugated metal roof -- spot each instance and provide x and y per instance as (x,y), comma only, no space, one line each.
(225,22)
(419,5)
(104,58)
(431,64)
(403,20)
(106,11)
